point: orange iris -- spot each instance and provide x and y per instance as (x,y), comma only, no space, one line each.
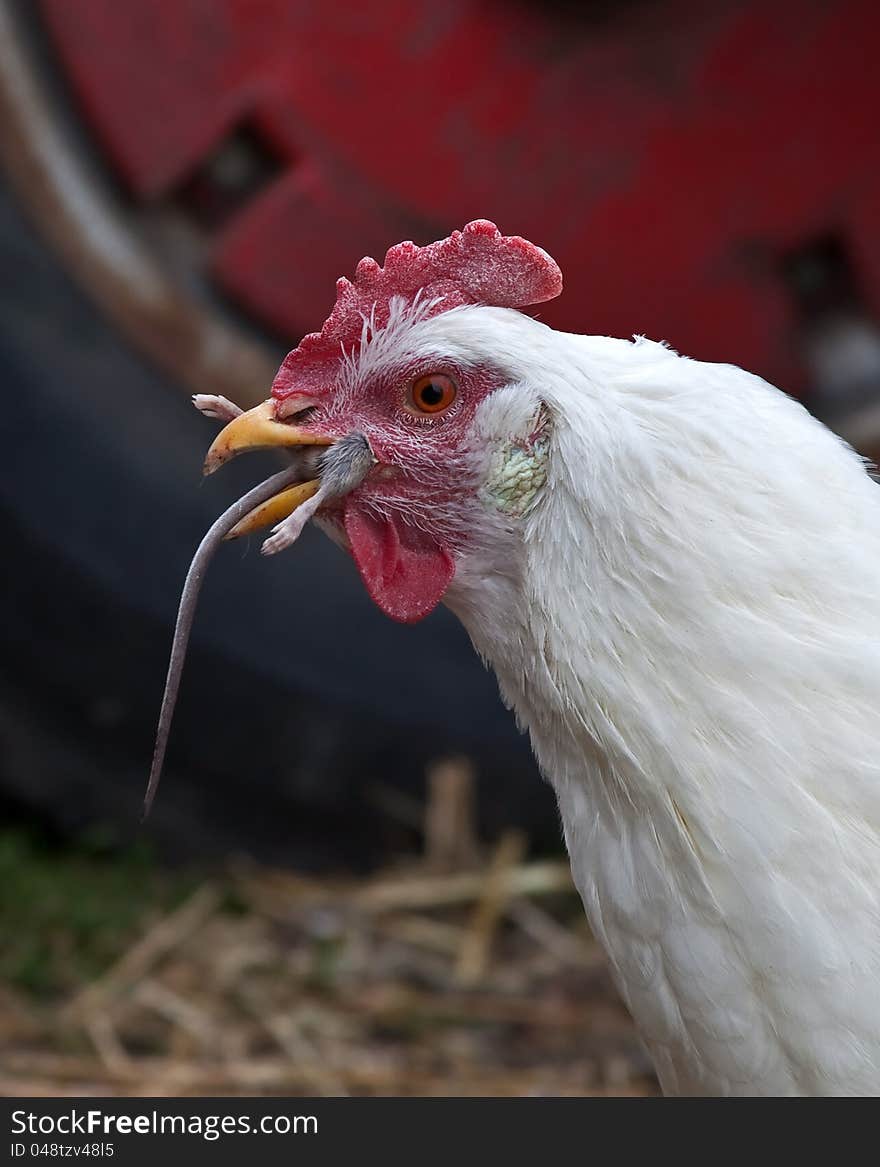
(433,393)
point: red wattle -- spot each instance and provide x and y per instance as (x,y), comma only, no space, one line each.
(404,570)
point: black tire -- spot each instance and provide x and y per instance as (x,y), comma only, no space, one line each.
(299,696)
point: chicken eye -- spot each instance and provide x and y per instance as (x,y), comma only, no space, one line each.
(433,393)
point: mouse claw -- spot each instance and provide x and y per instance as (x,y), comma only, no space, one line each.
(279,541)
(289,530)
(213,405)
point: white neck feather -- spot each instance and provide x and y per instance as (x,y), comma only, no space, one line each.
(690,634)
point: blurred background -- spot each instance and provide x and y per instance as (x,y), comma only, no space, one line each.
(352,879)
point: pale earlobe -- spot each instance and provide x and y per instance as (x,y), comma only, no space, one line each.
(517,467)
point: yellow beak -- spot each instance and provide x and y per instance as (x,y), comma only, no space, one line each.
(258,429)
(276,509)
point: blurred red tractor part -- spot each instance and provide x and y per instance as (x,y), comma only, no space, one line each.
(704,173)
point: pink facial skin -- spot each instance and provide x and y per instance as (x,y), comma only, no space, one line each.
(410,517)
(407,521)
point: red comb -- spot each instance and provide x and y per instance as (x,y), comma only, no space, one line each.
(478,265)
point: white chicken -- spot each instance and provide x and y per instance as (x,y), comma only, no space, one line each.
(674,571)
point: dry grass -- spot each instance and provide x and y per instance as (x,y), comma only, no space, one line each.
(426,980)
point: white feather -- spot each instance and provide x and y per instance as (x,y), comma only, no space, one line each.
(687,620)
